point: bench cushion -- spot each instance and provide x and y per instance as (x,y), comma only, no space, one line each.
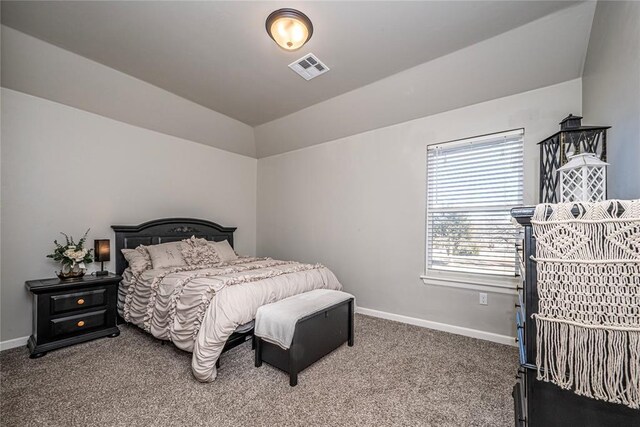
(276,322)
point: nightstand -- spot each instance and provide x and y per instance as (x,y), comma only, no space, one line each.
(71,312)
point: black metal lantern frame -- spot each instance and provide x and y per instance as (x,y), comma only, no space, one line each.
(573,138)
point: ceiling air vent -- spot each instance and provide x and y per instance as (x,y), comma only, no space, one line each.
(309,66)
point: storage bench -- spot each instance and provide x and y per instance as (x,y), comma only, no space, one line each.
(295,332)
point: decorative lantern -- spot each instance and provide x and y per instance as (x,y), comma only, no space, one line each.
(555,151)
(583,179)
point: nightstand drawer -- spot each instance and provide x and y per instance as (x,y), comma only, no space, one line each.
(78,300)
(78,323)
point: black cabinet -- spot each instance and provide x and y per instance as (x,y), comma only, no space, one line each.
(71,312)
(543,404)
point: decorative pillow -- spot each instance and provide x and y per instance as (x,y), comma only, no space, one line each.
(196,251)
(166,255)
(138,259)
(224,250)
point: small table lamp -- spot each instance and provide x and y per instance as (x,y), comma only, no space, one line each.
(102,250)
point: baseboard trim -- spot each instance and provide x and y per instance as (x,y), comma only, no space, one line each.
(16,342)
(445,327)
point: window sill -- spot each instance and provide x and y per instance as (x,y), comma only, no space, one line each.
(495,284)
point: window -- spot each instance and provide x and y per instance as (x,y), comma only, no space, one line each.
(471,186)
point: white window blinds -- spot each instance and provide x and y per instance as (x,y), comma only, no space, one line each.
(471,186)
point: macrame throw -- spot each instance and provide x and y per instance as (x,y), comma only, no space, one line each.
(588,321)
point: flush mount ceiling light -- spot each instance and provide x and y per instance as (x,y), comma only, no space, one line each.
(289,28)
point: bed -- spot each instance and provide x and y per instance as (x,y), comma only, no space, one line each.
(204,309)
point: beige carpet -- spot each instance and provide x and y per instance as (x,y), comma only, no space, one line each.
(396,374)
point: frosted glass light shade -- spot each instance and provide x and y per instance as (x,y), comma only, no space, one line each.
(289,28)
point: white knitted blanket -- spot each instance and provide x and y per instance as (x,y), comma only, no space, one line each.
(276,322)
(588,321)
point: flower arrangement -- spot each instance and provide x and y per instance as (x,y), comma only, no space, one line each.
(73,257)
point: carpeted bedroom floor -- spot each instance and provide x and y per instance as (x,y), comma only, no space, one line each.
(396,374)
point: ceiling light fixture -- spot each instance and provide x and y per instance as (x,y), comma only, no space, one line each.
(289,28)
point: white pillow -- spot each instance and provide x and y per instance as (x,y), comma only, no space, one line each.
(166,255)
(224,250)
(138,259)
(197,251)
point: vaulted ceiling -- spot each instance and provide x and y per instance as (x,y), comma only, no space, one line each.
(217,54)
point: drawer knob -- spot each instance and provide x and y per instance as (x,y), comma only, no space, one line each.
(81,323)
(80,301)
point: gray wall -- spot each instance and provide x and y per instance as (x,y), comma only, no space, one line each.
(65,169)
(357,205)
(611,91)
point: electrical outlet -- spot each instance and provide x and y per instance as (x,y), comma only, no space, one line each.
(483,299)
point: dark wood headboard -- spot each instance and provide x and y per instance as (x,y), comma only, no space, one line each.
(163,231)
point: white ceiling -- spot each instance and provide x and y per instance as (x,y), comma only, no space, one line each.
(218,54)
(545,52)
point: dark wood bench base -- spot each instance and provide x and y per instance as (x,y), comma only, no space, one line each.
(315,336)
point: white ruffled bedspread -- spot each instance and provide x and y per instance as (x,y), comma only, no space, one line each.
(198,308)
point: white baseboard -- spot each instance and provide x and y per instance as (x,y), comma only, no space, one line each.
(16,342)
(459,330)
